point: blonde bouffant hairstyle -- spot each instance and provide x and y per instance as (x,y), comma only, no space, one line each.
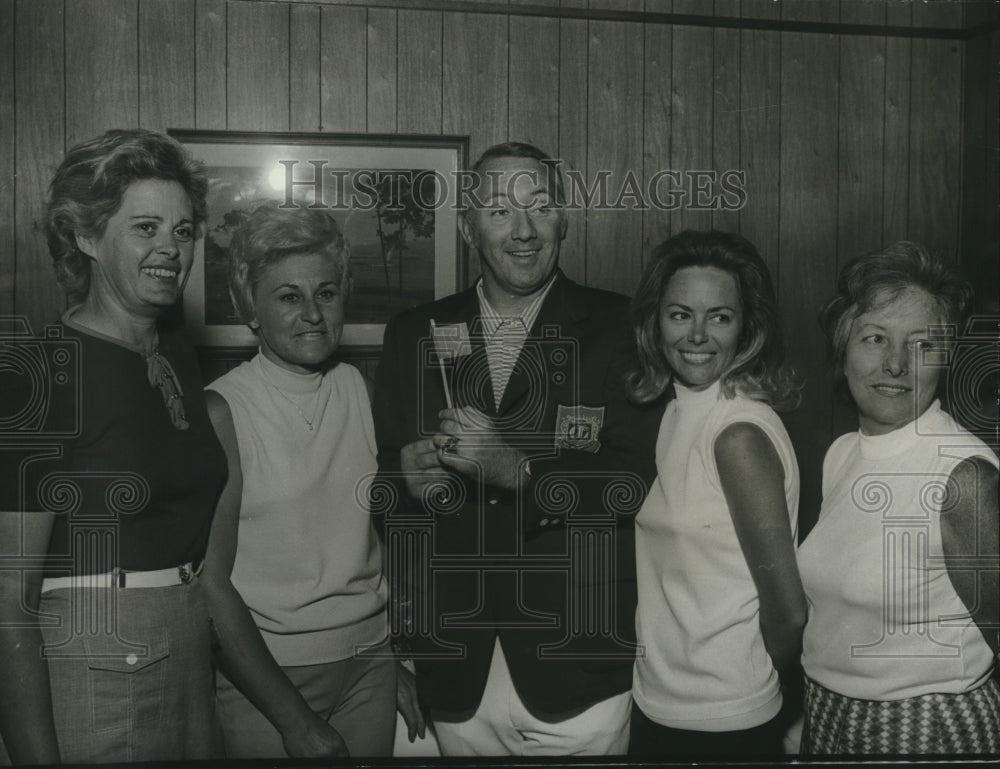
(273,232)
(90,183)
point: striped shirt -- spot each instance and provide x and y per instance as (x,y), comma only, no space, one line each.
(505,335)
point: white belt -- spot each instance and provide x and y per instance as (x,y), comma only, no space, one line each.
(175,575)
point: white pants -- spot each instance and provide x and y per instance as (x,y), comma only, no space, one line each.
(503,726)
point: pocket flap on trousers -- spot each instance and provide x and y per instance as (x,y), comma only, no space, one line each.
(120,657)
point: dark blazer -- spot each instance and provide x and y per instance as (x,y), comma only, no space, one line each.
(550,568)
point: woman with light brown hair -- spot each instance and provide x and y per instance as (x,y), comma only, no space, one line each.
(900,570)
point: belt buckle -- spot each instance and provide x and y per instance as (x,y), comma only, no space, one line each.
(186,574)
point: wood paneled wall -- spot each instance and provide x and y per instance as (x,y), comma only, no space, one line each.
(848,141)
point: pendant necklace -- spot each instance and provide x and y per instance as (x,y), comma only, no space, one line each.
(310,423)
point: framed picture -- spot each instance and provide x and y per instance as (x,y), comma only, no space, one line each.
(394,197)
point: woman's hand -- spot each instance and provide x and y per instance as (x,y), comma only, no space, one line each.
(407,703)
(243,656)
(312,737)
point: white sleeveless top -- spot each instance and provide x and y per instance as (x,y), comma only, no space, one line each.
(308,561)
(703,665)
(885,622)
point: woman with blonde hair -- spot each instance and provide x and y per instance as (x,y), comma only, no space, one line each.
(720,608)
(293,538)
(105,651)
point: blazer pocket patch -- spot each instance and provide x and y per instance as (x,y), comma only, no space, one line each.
(577,427)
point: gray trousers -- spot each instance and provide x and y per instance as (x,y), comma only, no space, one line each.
(131,673)
(356,696)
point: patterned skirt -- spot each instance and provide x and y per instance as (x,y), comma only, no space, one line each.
(929,724)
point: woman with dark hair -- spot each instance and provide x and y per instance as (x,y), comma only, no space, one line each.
(105,653)
(293,537)
(720,603)
(902,634)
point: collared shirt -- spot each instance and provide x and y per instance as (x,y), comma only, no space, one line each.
(504,336)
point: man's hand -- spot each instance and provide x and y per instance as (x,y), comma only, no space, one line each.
(313,738)
(407,703)
(469,443)
(419,461)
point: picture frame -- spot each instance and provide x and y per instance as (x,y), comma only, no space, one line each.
(394,196)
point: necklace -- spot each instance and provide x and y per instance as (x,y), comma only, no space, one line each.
(310,423)
(302,387)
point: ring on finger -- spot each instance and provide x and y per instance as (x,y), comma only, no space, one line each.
(451,445)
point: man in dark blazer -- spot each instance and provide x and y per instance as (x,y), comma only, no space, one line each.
(512,466)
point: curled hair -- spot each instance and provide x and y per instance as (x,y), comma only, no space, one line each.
(272,233)
(757,370)
(878,277)
(89,185)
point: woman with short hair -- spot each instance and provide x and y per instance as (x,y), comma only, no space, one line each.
(900,570)
(293,536)
(105,650)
